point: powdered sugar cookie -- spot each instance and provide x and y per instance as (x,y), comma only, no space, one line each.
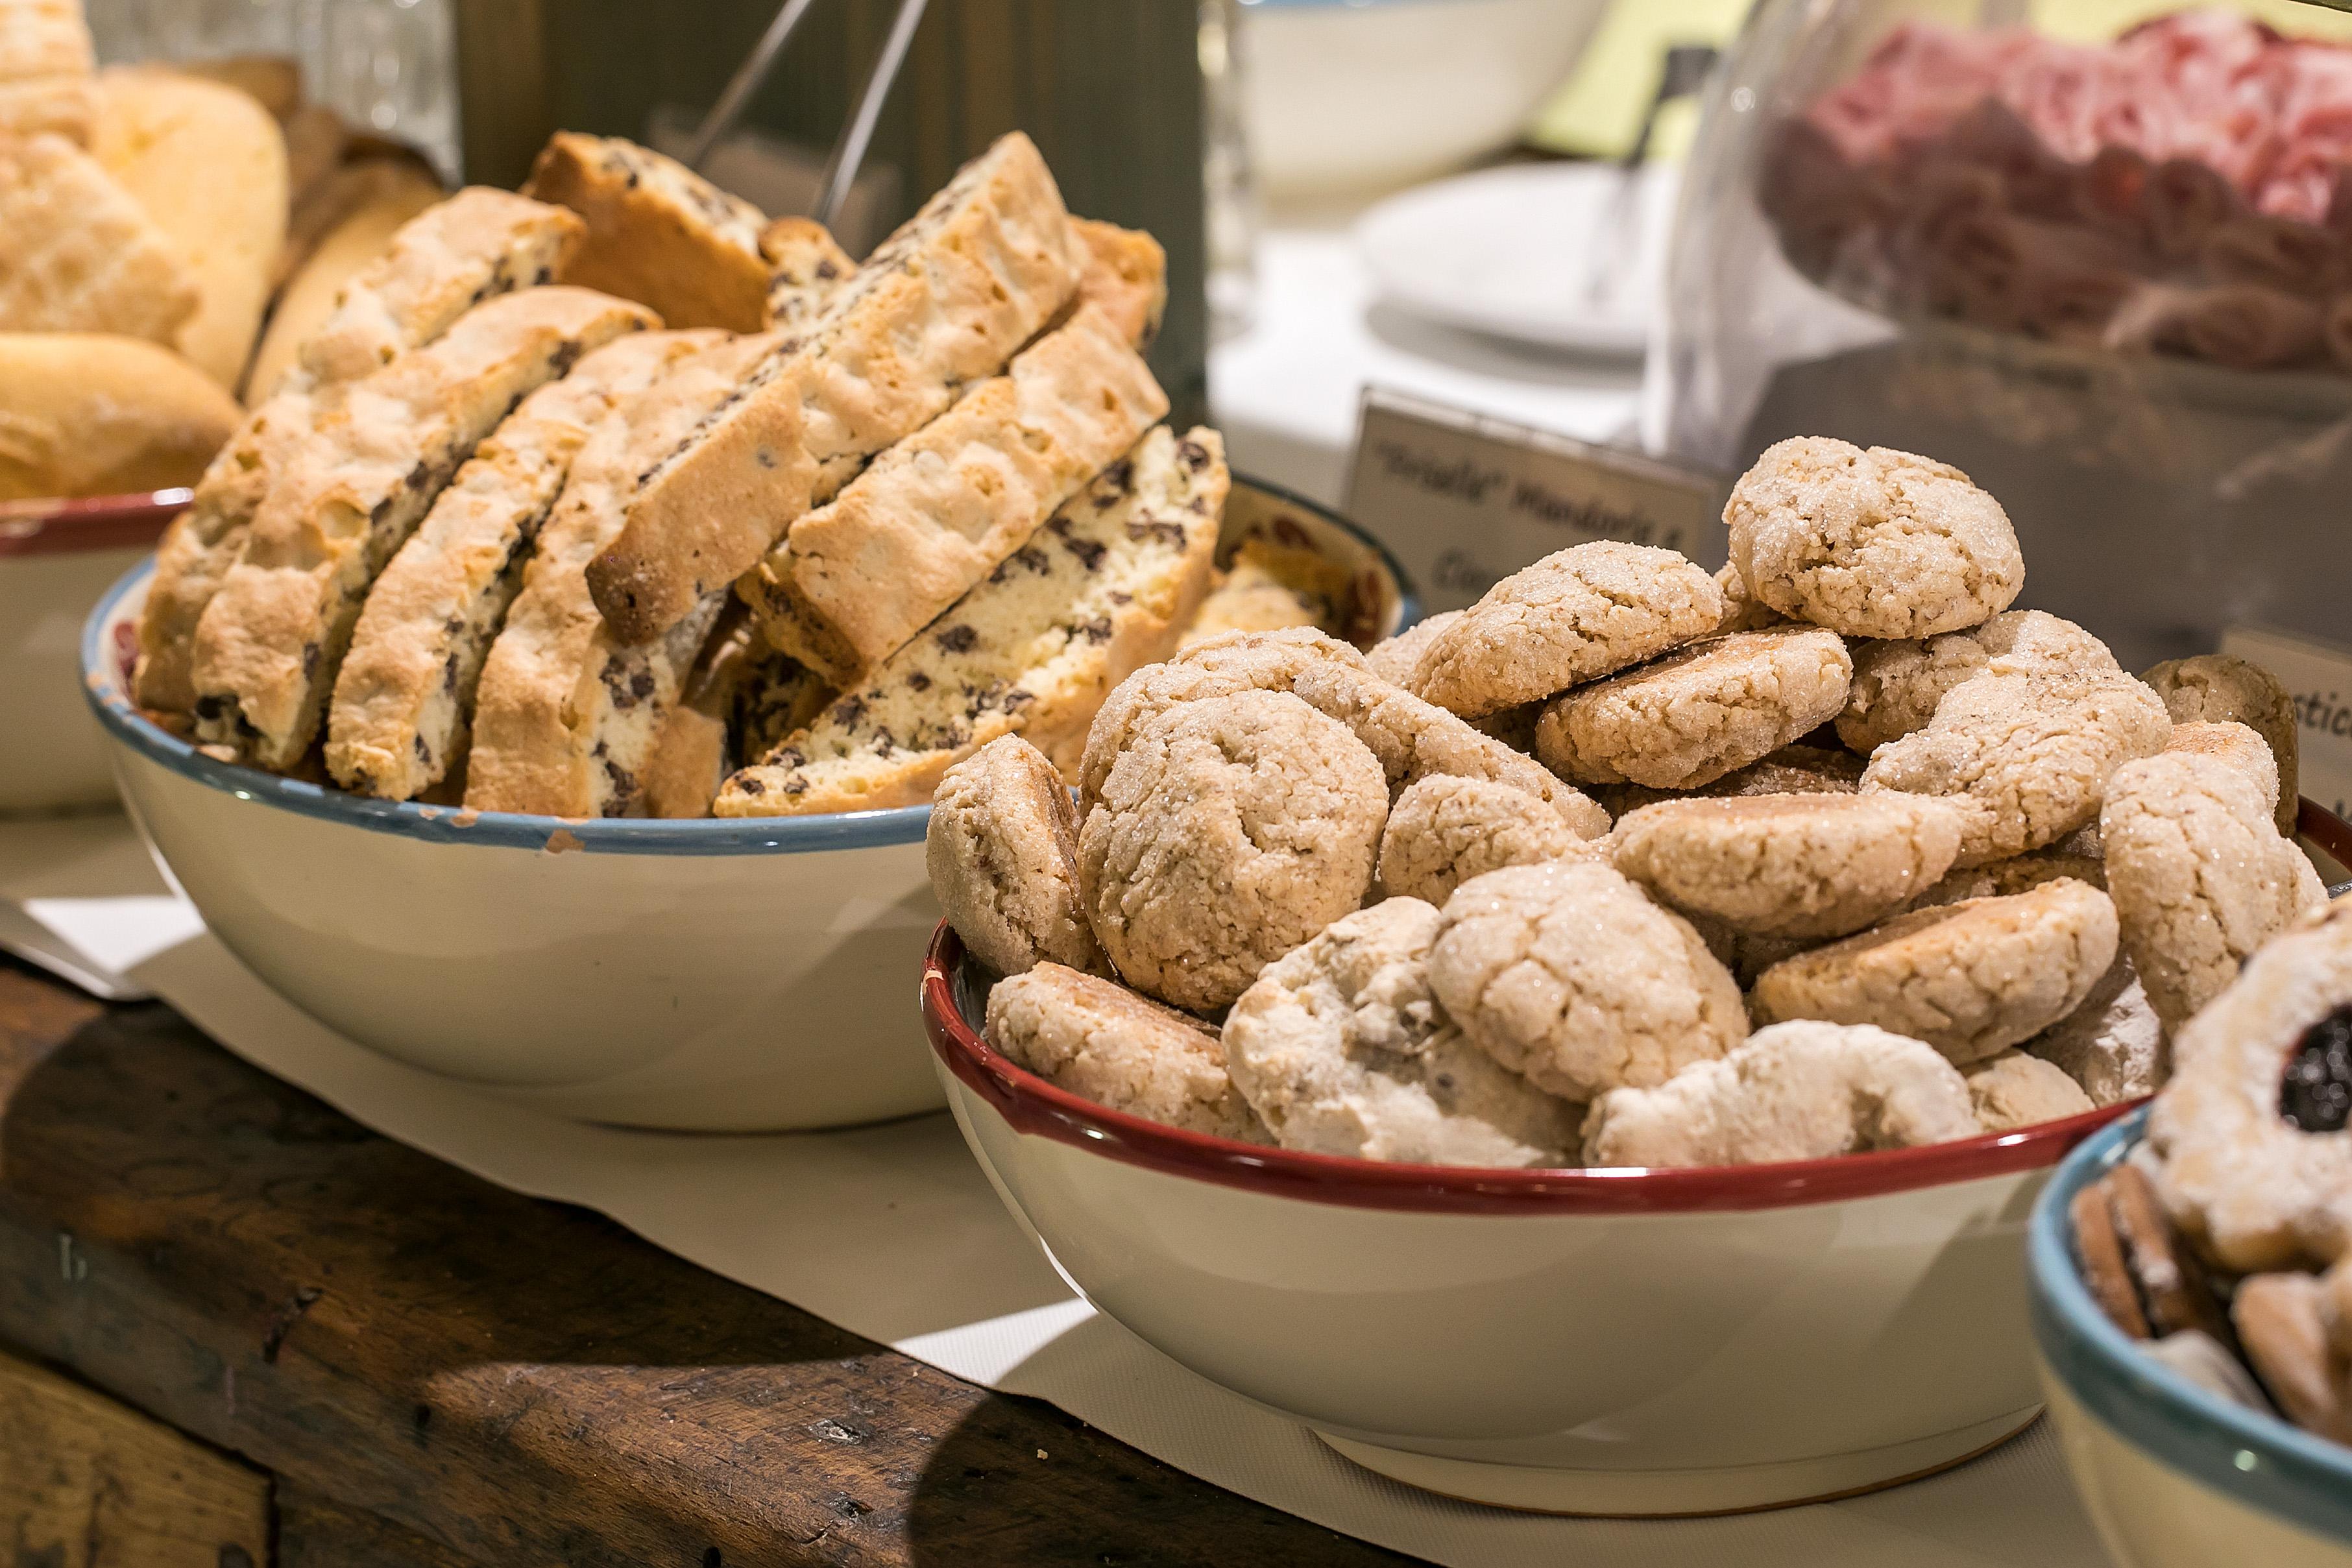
(2013,1090)
(1789,866)
(1697,714)
(1443,830)
(2199,876)
(1873,543)
(2217,687)
(2025,757)
(2113,1045)
(1575,615)
(1003,852)
(1341,1049)
(1799,1090)
(1231,830)
(1971,978)
(1566,973)
(1100,1040)
(1896,685)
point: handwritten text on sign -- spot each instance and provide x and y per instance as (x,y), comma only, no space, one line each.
(1465,500)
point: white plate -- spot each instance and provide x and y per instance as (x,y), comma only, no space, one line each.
(1508,251)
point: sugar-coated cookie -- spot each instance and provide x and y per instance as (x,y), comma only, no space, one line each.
(2013,1090)
(2214,687)
(1443,830)
(1101,1041)
(1897,684)
(1003,850)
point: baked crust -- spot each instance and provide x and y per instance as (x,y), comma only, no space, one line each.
(87,413)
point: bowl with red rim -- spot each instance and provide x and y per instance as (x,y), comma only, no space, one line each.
(1592,1342)
(57,558)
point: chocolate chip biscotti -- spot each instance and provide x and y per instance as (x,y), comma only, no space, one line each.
(397,725)
(476,246)
(271,642)
(805,270)
(1101,591)
(657,232)
(861,575)
(945,301)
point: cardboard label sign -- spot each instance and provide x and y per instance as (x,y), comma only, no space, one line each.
(2319,678)
(1465,500)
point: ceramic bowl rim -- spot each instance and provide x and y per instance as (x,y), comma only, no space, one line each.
(2253,1457)
(127,727)
(87,523)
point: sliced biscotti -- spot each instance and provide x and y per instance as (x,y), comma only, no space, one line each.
(397,724)
(478,243)
(862,574)
(657,232)
(945,301)
(78,254)
(566,717)
(805,269)
(1124,272)
(1099,591)
(271,642)
(742,698)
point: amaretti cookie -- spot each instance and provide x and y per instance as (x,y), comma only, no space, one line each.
(1443,830)
(2221,688)
(2013,1090)
(1874,543)
(1101,1041)
(1002,848)
(1897,684)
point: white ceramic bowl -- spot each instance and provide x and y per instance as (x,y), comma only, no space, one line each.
(1609,1342)
(57,558)
(705,976)
(2174,1477)
(1355,96)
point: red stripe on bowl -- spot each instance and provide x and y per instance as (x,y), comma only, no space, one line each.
(92,523)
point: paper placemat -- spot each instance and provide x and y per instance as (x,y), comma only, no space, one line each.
(892,1232)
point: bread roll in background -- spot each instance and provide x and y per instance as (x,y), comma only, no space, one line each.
(79,253)
(55,105)
(85,414)
(273,81)
(208,165)
(396,191)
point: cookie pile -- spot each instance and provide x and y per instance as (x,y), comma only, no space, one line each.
(1633,864)
(2222,1243)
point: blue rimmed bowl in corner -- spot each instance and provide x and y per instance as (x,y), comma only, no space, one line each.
(713,976)
(2173,1476)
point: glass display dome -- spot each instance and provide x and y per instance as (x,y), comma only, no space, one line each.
(2098,255)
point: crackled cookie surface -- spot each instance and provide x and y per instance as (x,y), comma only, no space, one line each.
(1566,973)
(1100,1040)
(1697,714)
(1230,830)
(1896,685)
(1003,852)
(1393,660)
(1443,830)
(2217,687)
(1874,543)
(1341,1049)
(1742,610)
(2013,1090)
(2234,746)
(1573,616)
(1801,1091)
(1789,866)
(2199,875)
(2025,757)
(1971,979)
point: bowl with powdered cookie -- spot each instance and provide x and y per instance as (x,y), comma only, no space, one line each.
(548,683)
(1595,1051)
(2190,1302)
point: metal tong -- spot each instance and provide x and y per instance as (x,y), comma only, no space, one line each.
(841,165)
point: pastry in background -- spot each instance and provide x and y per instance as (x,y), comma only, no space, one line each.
(45,66)
(388,193)
(657,232)
(273,81)
(316,140)
(1267,586)
(79,254)
(90,415)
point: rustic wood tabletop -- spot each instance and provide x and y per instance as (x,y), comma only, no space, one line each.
(237,1330)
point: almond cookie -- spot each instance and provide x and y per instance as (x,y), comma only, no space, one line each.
(2215,687)
(1443,830)
(2257,1163)
(2014,1090)
(1970,978)
(2235,746)
(1791,770)
(1229,832)
(1565,973)
(1789,866)
(1793,1091)
(1874,543)
(1101,1041)
(2026,756)
(2113,1045)
(1393,660)
(1341,1049)
(1003,852)
(1575,615)
(1699,713)
(2018,873)
(1742,610)
(2199,876)
(1896,685)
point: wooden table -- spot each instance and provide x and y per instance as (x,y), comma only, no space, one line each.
(271,1336)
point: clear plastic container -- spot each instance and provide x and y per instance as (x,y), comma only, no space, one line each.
(2106,268)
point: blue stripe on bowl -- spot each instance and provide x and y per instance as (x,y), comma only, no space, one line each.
(618,835)
(2256,1458)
